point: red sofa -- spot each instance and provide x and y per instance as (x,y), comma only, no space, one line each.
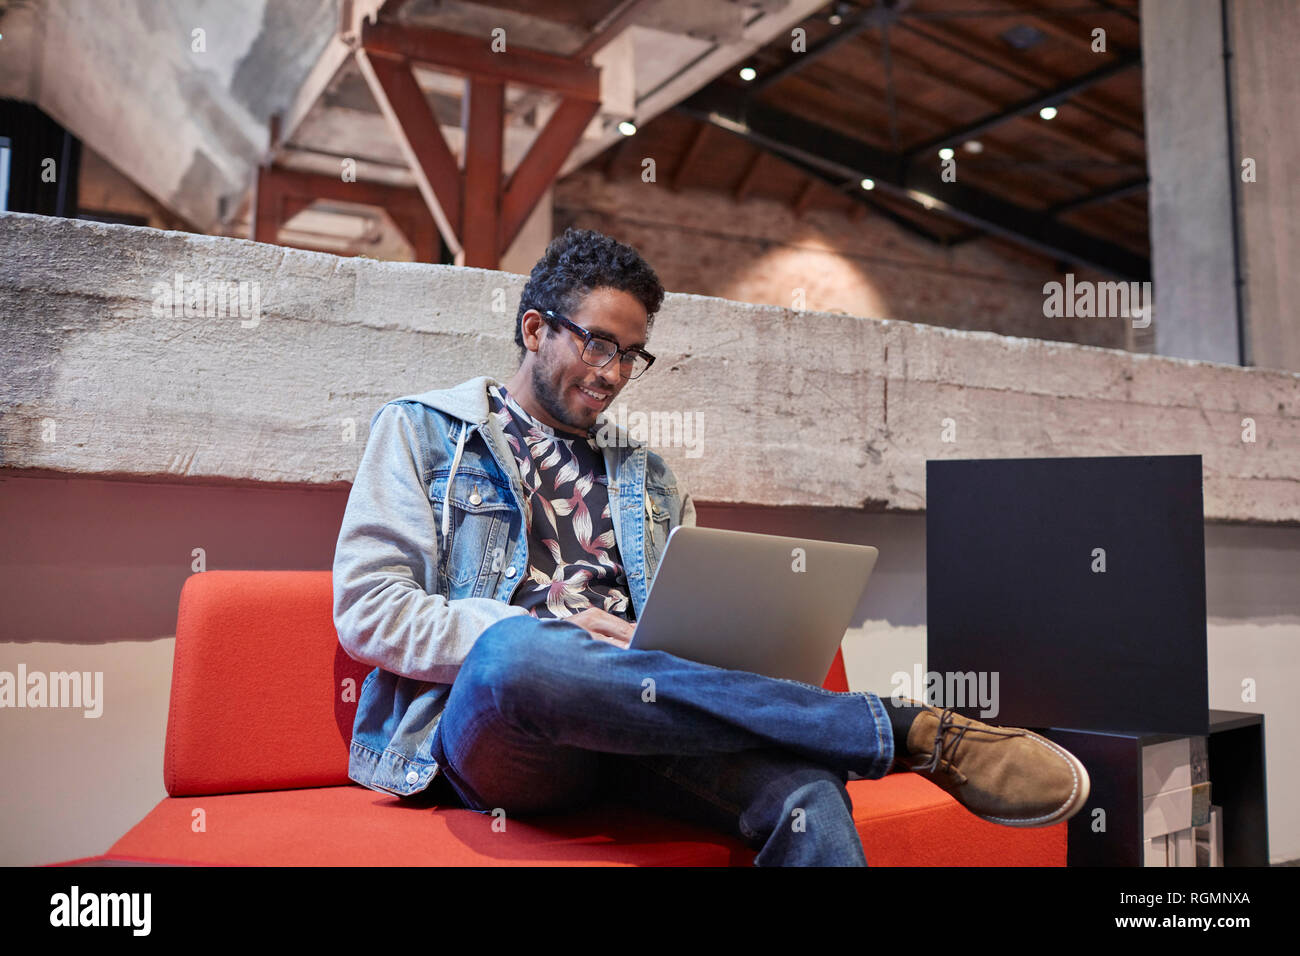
(257,739)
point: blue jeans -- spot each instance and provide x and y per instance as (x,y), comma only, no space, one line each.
(544,718)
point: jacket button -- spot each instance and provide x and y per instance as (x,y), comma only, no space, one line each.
(510,572)
(412,777)
(474,499)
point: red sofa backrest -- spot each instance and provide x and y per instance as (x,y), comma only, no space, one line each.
(258,685)
(258,681)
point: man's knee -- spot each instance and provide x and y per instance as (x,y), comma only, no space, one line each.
(511,652)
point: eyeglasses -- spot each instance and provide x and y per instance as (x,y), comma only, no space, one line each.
(598,351)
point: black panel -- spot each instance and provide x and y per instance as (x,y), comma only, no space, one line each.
(1011,590)
(1114,764)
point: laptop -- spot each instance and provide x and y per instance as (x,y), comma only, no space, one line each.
(761,603)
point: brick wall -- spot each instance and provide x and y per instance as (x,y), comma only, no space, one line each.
(760,251)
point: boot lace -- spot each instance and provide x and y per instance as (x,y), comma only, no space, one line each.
(945,747)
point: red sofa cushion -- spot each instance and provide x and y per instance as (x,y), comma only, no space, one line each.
(903,819)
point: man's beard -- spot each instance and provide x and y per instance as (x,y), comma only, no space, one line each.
(551,399)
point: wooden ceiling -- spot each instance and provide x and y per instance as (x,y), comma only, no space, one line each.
(891,83)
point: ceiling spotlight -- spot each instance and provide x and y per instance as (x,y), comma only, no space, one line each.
(747,73)
(835,19)
(1048,112)
(868,184)
(973,146)
(946,153)
(627,127)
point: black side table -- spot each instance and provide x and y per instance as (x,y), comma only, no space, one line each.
(1114,762)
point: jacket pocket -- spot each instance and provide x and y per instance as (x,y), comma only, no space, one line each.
(478,531)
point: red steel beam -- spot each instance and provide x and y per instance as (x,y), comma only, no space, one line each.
(419,134)
(292,205)
(420,232)
(289,191)
(539,167)
(312,186)
(266,208)
(484,142)
(471,56)
(483,217)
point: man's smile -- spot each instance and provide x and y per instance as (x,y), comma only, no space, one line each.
(595,398)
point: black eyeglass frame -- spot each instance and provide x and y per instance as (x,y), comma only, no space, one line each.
(587,336)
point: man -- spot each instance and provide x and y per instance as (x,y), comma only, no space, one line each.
(496,551)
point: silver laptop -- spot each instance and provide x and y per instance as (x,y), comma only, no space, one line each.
(761,603)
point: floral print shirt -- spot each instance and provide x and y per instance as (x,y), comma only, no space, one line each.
(573,561)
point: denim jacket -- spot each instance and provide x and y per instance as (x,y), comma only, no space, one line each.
(432,548)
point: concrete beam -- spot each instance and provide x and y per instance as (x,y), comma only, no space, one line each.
(177,95)
(1264,38)
(1190,197)
(794,409)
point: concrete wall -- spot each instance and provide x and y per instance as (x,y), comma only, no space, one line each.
(817,410)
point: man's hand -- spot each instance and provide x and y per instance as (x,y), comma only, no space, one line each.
(604,626)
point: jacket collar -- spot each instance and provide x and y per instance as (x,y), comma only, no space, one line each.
(468,401)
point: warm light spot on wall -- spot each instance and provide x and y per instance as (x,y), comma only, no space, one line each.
(809,261)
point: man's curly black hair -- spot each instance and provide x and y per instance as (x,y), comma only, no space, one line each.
(578,262)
